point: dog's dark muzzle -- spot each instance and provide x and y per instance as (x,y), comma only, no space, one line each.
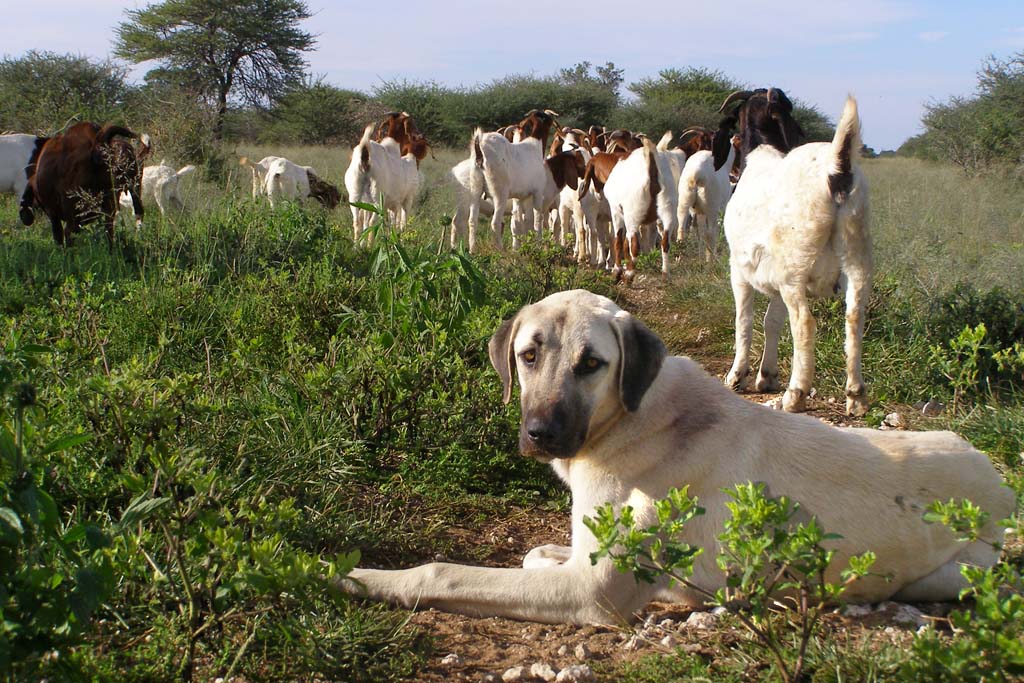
(552,433)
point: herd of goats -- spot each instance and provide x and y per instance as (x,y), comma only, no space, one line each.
(795,215)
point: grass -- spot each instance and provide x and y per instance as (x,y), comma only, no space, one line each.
(354,385)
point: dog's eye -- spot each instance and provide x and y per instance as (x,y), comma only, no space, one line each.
(588,365)
(529,356)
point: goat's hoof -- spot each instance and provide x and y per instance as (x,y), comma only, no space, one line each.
(737,381)
(629,276)
(767,382)
(616,274)
(794,400)
(857,401)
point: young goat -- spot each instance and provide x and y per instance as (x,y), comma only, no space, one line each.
(797,227)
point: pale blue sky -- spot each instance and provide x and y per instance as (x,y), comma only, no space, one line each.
(894,56)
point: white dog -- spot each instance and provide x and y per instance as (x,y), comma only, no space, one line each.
(620,422)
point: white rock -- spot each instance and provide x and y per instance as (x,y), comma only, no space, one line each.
(894,420)
(632,644)
(451,660)
(668,641)
(650,621)
(577,673)
(582,652)
(563,651)
(543,671)
(667,624)
(719,611)
(514,675)
(701,620)
(907,614)
(490,678)
(774,403)
(857,610)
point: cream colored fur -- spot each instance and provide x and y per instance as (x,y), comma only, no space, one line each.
(869,486)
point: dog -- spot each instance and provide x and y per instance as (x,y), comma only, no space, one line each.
(621,422)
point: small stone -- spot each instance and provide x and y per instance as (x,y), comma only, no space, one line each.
(894,420)
(543,671)
(774,403)
(890,630)
(577,673)
(451,660)
(563,651)
(719,611)
(490,678)
(907,614)
(582,652)
(514,675)
(701,621)
(650,621)
(813,393)
(857,610)
(691,648)
(439,557)
(668,641)
(632,645)
(932,408)
(831,400)
(667,624)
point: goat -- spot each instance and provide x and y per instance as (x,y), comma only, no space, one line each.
(259,173)
(78,176)
(587,213)
(160,185)
(705,189)
(640,190)
(18,152)
(379,168)
(279,178)
(518,171)
(797,227)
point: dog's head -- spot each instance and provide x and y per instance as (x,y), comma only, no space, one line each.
(582,362)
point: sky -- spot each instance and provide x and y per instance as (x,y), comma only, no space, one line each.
(893,56)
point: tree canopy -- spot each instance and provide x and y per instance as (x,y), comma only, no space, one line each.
(220,49)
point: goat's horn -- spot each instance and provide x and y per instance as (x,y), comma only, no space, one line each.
(553,114)
(739,95)
(695,129)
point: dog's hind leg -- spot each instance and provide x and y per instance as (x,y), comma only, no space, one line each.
(547,555)
(946,582)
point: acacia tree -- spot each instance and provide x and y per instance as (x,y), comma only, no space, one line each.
(220,49)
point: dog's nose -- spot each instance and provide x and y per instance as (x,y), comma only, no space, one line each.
(544,432)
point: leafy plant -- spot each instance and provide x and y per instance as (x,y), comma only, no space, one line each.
(768,561)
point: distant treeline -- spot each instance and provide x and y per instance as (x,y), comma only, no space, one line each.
(41,92)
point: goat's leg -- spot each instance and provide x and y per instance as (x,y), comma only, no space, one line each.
(743,295)
(618,246)
(497,221)
(774,317)
(802,326)
(473,219)
(665,237)
(858,290)
(633,239)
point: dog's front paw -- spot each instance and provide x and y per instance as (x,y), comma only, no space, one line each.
(767,382)
(794,400)
(737,379)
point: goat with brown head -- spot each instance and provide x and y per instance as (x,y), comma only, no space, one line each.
(538,124)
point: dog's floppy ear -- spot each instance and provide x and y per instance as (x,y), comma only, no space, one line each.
(642,354)
(502,355)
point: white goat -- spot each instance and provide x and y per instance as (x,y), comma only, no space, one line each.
(510,170)
(160,185)
(286,180)
(378,168)
(641,189)
(15,153)
(589,215)
(704,193)
(259,173)
(797,227)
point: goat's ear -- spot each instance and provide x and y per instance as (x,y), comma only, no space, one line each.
(641,354)
(502,354)
(557,168)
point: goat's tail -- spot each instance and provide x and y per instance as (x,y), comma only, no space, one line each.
(664,142)
(364,148)
(845,152)
(588,178)
(185,170)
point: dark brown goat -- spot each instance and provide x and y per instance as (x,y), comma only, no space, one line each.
(764,116)
(538,124)
(79,176)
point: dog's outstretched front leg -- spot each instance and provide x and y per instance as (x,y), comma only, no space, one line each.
(574,592)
